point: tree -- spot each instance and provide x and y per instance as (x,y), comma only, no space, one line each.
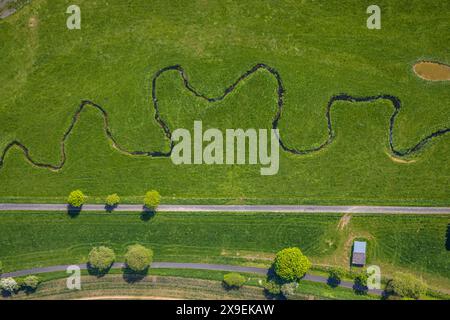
(233,280)
(101,258)
(290,264)
(360,284)
(9,285)
(272,287)
(76,198)
(138,258)
(152,200)
(288,289)
(112,200)
(335,276)
(406,285)
(30,283)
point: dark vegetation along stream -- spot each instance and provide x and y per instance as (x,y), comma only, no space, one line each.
(395,101)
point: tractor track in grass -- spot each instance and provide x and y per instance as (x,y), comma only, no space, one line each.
(395,101)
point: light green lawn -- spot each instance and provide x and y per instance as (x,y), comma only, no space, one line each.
(319,48)
(407,243)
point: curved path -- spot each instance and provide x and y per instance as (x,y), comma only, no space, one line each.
(233,208)
(174,265)
(395,101)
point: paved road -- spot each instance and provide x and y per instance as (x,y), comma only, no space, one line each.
(235,208)
(174,265)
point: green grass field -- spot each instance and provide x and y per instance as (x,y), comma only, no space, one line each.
(419,244)
(43,239)
(319,48)
(409,243)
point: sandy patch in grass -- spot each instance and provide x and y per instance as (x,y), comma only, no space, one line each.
(432,71)
(399,160)
(33,22)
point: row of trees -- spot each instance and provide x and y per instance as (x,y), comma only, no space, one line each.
(77,198)
(137,258)
(11,286)
(289,266)
(402,285)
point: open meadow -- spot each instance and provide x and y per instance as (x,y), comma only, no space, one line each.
(410,243)
(319,49)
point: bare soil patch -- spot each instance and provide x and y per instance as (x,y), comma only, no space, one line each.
(399,160)
(432,71)
(344,221)
(33,22)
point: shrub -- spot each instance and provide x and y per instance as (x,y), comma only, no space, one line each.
(288,289)
(152,199)
(360,284)
(138,258)
(290,264)
(76,199)
(233,280)
(30,283)
(101,258)
(335,276)
(407,286)
(272,288)
(112,200)
(9,285)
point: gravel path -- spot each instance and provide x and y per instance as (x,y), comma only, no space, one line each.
(235,208)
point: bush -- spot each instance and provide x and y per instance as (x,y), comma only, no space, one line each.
(76,199)
(112,200)
(360,284)
(272,288)
(152,200)
(101,258)
(138,258)
(407,286)
(233,280)
(290,264)
(288,289)
(335,276)
(30,283)
(9,285)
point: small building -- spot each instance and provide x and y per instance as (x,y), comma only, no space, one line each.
(359,253)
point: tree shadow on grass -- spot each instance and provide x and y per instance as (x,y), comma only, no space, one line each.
(109,208)
(5,294)
(73,211)
(447,238)
(360,289)
(131,276)
(333,282)
(273,277)
(97,272)
(147,214)
(29,291)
